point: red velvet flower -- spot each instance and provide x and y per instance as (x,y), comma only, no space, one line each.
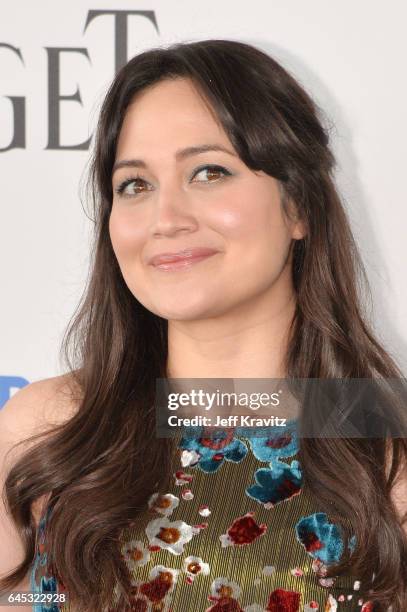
(225,604)
(157,588)
(243,530)
(279,441)
(284,601)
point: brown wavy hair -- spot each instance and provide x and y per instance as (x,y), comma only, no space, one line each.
(100,467)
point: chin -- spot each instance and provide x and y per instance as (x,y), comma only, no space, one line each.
(184,314)
(182,311)
(182,305)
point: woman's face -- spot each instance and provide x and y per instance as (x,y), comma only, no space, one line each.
(168,197)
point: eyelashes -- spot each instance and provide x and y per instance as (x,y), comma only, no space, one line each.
(121,189)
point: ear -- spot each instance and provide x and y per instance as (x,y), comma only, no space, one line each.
(299,230)
(298,225)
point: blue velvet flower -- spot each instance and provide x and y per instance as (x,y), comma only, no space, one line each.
(277,442)
(320,538)
(48,585)
(277,483)
(215,450)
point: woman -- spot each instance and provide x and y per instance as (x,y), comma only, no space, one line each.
(211,149)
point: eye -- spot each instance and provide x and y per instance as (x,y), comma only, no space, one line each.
(127,187)
(213,170)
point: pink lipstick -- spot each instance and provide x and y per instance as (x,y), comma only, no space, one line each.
(181,259)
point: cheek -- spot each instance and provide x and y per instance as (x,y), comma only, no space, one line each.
(126,235)
(127,238)
(257,239)
(254,217)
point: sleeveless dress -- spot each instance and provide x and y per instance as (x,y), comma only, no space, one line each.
(237,532)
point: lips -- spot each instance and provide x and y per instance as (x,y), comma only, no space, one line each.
(184,255)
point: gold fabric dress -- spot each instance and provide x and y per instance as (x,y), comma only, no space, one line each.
(237,532)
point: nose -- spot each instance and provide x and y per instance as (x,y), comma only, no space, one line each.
(172,212)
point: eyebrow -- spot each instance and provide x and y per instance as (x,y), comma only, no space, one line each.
(179,155)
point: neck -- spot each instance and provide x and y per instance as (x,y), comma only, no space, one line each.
(250,342)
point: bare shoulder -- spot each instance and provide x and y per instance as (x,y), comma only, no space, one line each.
(33,409)
(41,404)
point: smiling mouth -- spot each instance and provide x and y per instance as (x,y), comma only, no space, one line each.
(184,263)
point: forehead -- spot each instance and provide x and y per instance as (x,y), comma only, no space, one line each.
(171,113)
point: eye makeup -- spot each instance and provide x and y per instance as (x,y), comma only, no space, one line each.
(214,168)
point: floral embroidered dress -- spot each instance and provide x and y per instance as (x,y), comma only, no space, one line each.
(236,532)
